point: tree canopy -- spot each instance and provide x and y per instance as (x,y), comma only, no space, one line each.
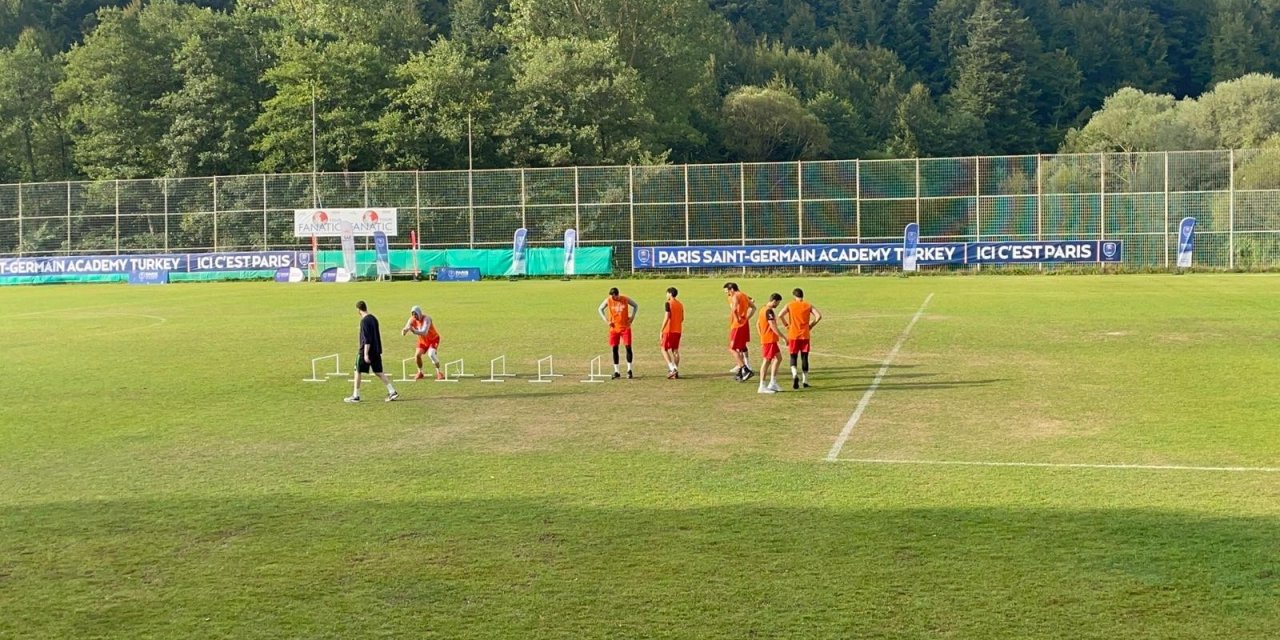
(120,88)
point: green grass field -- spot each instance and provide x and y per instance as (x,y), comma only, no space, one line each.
(166,473)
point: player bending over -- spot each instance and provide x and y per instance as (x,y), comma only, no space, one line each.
(421,325)
(621,312)
(799,317)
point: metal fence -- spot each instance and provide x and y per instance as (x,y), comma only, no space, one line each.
(1135,197)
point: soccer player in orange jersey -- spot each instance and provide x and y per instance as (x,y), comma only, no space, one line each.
(672,324)
(741,308)
(421,325)
(769,339)
(799,317)
(619,311)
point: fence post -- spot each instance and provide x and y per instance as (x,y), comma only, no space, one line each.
(1166,209)
(266,242)
(857,203)
(800,205)
(69,246)
(742,204)
(117,186)
(417,209)
(1231,209)
(977,203)
(1102,200)
(1040,202)
(215,213)
(524,198)
(687,239)
(20,220)
(917,190)
(631,213)
(471,207)
(165,190)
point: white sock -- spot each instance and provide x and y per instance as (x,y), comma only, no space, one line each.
(390,389)
(615,368)
(804,377)
(793,371)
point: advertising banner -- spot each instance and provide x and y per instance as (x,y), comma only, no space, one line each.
(1186,241)
(570,245)
(383,259)
(328,222)
(518,252)
(910,241)
(878,254)
(168,263)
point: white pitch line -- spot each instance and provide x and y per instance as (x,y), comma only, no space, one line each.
(875,383)
(1063,465)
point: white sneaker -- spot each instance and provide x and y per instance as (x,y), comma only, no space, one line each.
(393,396)
(351,399)
(774,386)
(766,390)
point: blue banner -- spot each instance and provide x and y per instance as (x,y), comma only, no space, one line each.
(383,259)
(170,262)
(1186,241)
(878,254)
(458,274)
(910,241)
(570,247)
(148,277)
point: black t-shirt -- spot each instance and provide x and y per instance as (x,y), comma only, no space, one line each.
(370,335)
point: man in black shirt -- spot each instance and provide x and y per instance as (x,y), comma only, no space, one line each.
(369,359)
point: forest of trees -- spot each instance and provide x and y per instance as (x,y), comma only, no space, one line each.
(99,89)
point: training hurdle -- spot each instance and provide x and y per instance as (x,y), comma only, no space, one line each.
(595,370)
(446,377)
(494,374)
(550,374)
(315,374)
(404,369)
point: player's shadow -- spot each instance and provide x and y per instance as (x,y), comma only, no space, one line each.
(896,382)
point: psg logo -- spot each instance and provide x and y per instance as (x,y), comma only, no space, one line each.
(1109,249)
(644,257)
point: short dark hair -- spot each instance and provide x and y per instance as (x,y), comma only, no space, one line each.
(732,286)
(672,291)
(613,291)
(361,305)
(797,292)
(776,296)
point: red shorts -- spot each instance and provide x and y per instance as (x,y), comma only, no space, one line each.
(623,336)
(670,341)
(425,346)
(798,346)
(739,337)
(770,350)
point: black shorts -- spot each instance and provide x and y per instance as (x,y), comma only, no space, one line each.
(374,364)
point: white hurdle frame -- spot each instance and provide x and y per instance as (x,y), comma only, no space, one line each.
(551,374)
(462,370)
(494,376)
(446,377)
(595,370)
(404,369)
(337,368)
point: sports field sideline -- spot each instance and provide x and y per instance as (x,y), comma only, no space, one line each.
(1040,456)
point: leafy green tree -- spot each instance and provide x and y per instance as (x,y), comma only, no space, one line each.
(1131,120)
(1238,114)
(1236,41)
(991,80)
(31,121)
(769,124)
(918,128)
(346,83)
(574,102)
(426,124)
(113,86)
(212,111)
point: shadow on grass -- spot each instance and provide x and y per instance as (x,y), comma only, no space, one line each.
(293,566)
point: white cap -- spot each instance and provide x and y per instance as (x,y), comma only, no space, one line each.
(415,309)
